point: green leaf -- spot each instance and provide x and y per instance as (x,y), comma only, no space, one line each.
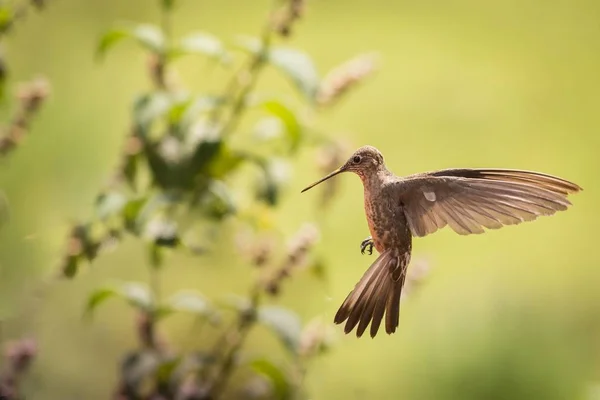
(131,213)
(268,128)
(98,297)
(236,302)
(70,266)
(249,44)
(135,293)
(163,232)
(149,108)
(284,323)
(7,16)
(198,106)
(191,302)
(156,255)
(204,153)
(226,162)
(109,204)
(130,169)
(218,202)
(203,44)
(87,236)
(294,64)
(109,39)
(299,68)
(289,119)
(275,173)
(166,369)
(281,385)
(148,36)
(177,110)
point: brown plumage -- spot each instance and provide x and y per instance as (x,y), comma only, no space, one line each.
(467,200)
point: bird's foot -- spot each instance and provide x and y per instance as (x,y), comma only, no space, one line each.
(367,245)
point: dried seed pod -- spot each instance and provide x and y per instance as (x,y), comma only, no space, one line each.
(29,96)
(344,77)
(32,94)
(316,337)
(284,18)
(296,256)
(18,357)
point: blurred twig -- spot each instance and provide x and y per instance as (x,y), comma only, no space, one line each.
(18,356)
(233,339)
(242,83)
(30,97)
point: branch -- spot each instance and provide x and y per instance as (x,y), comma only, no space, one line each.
(234,338)
(30,97)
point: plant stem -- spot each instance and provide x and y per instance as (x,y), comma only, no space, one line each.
(243,82)
(238,107)
(233,340)
(161,68)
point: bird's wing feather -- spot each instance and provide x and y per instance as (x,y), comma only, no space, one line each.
(469,200)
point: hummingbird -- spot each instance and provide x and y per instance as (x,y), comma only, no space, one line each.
(398,208)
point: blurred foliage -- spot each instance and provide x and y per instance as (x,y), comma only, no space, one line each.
(175,178)
(18,354)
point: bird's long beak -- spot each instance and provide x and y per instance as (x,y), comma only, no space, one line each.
(331,175)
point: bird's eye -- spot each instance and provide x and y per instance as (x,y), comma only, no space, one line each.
(356,159)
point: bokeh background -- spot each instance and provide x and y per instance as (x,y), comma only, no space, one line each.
(511,314)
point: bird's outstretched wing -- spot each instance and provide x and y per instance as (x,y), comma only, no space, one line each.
(470,199)
(377,293)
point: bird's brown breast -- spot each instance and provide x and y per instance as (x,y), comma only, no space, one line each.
(386,220)
(371,218)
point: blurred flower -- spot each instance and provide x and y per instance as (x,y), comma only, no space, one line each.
(257,387)
(18,357)
(170,149)
(30,96)
(296,256)
(344,77)
(19,354)
(133,145)
(284,18)
(316,337)
(257,250)
(203,130)
(307,236)
(261,253)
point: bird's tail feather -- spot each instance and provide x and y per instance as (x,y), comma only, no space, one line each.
(377,293)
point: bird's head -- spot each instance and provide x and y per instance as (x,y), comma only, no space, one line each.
(365,161)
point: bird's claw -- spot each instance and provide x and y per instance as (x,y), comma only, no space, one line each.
(367,245)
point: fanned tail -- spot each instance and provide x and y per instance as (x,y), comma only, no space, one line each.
(377,293)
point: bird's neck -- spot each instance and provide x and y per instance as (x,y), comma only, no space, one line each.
(374,181)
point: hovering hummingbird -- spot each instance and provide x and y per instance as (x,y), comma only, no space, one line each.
(397,209)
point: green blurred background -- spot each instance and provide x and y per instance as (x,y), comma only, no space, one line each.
(511,314)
